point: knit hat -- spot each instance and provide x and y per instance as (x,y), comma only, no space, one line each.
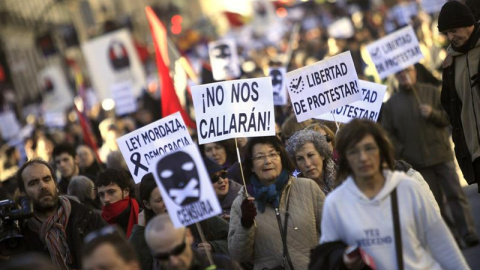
(454,15)
(212,166)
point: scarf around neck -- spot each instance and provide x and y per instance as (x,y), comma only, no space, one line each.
(52,233)
(110,212)
(268,194)
(471,42)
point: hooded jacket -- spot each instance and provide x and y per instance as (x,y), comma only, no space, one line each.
(351,217)
(457,68)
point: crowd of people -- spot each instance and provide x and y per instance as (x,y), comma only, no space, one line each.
(316,196)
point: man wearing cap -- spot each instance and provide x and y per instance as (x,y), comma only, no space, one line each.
(460,95)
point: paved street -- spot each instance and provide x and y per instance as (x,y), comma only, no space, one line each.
(473,254)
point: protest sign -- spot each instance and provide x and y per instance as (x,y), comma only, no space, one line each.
(142,146)
(57,94)
(432,6)
(111,59)
(278,84)
(125,101)
(224,59)
(10,126)
(403,12)
(55,119)
(323,86)
(341,28)
(395,52)
(232,109)
(186,187)
(368,107)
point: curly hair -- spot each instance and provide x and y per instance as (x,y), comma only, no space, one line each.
(300,138)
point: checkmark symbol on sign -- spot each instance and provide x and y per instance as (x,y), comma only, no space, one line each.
(298,84)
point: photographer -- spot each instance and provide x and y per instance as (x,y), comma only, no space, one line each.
(59,224)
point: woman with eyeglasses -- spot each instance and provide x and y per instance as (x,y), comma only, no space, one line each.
(225,189)
(361,211)
(313,157)
(276,224)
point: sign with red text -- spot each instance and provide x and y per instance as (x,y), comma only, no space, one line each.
(395,52)
(141,147)
(368,107)
(323,86)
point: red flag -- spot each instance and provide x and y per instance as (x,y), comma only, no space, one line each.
(170,102)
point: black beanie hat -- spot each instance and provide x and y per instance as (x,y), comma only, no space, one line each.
(454,15)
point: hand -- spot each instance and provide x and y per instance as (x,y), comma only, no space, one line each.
(204,247)
(141,218)
(426,110)
(225,216)
(248,212)
(353,261)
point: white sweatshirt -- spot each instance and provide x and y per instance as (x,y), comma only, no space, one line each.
(348,215)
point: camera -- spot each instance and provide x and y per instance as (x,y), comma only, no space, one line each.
(11,238)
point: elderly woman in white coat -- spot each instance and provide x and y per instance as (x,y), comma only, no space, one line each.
(278,225)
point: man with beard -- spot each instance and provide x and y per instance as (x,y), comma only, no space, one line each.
(59,224)
(66,162)
(115,190)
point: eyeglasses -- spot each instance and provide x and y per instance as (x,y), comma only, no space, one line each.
(216,177)
(263,158)
(356,152)
(175,251)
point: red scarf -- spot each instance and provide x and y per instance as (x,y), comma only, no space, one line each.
(111,211)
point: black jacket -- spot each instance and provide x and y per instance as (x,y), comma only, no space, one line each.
(453,106)
(81,222)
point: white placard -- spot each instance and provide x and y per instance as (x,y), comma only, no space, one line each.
(111,59)
(125,101)
(432,6)
(9,126)
(186,187)
(54,119)
(57,94)
(368,107)
(232,109)
(404,12)
(224,59)
(141,147)
(323,86)
(341,28)
(395,52)
(277,75)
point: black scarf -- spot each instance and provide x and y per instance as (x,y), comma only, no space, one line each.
(471,42)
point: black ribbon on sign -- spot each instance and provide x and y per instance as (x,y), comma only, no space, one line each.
(135,158)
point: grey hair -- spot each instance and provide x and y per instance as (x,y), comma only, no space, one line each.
(81,187)
(304,136)
(298,141)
